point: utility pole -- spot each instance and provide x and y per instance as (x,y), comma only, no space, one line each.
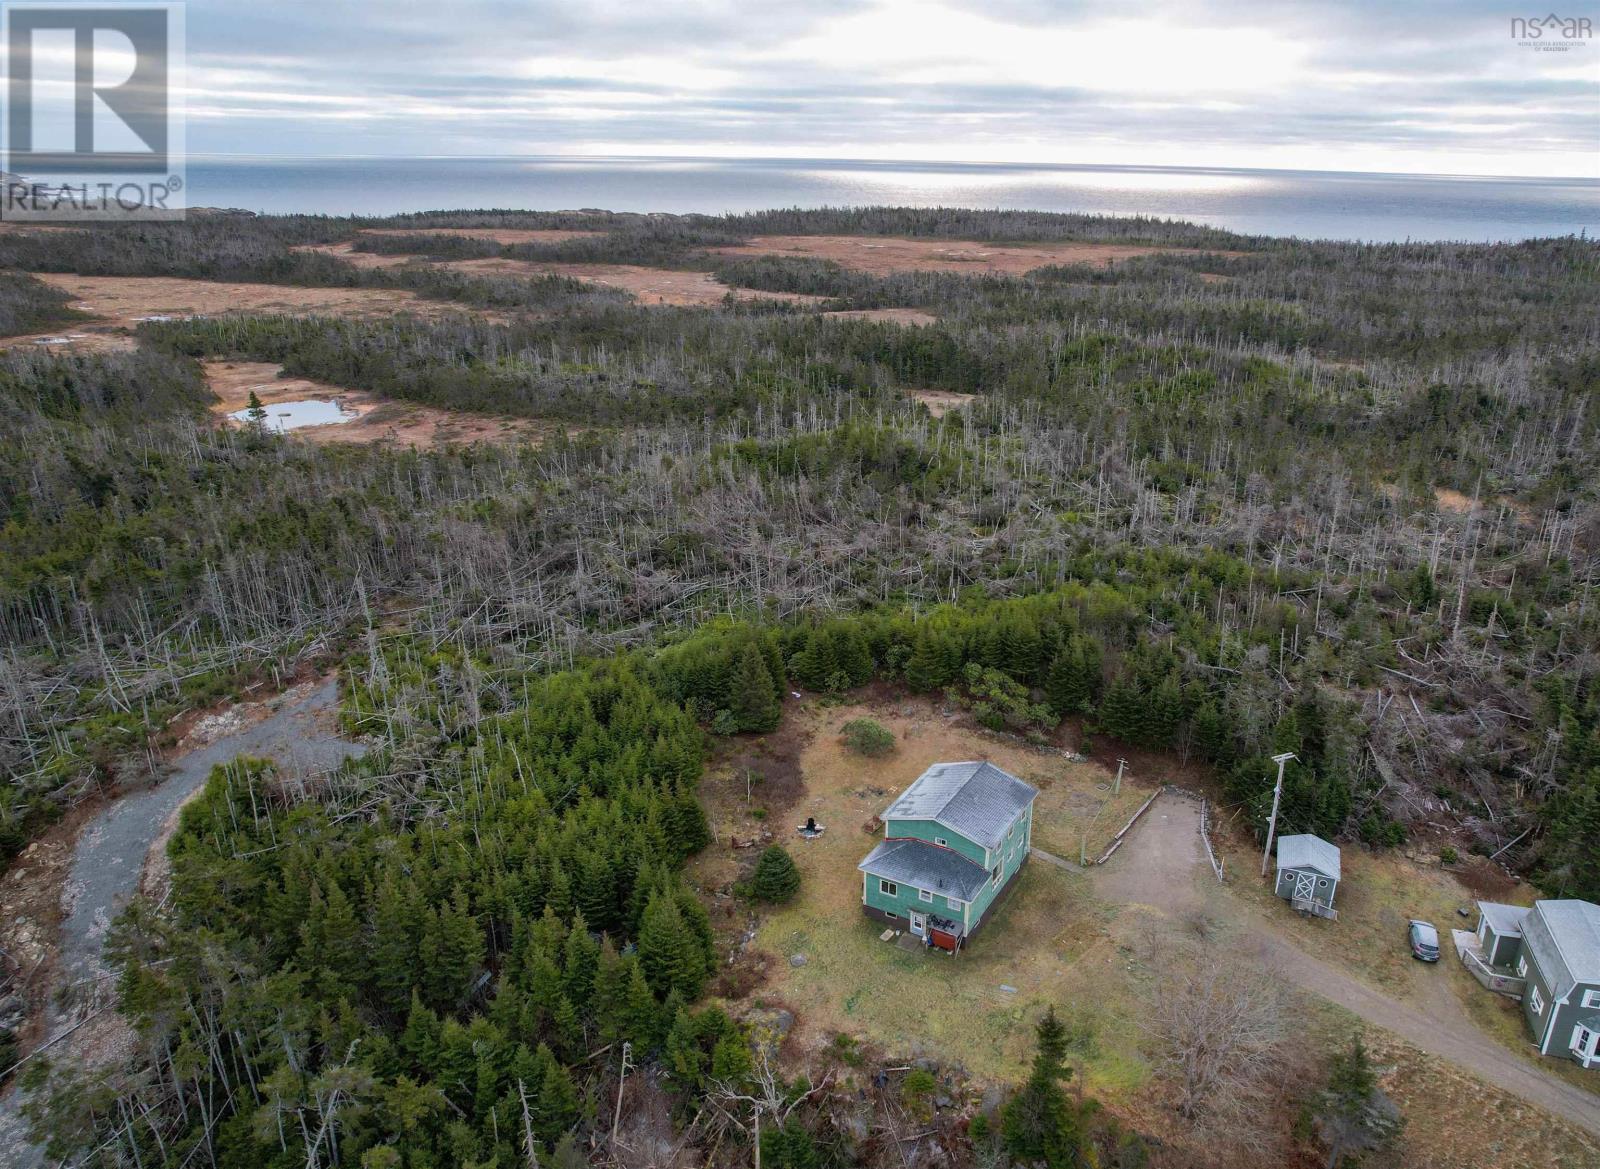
(622,1077)
(1116,788)
(1277,794)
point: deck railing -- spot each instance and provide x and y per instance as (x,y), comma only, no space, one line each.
(1306,905)
(1492,977)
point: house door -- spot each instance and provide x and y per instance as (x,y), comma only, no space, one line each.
(919,924)
(1305,886)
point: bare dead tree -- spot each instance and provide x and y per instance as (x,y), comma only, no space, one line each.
(1215,1031)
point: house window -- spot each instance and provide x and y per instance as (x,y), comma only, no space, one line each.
(995,876)
(925,895)
(941,841)
(1582,1041)
(1522,967)
(888,888)
(1536,1000)
(954,903)
(1591,998)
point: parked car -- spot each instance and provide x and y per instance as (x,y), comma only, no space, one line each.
(1424,941)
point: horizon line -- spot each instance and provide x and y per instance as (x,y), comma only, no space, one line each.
(881,164)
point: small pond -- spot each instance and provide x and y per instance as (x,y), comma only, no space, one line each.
(304,412)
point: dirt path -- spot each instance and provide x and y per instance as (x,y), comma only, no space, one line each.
(110,859)
(1159,866)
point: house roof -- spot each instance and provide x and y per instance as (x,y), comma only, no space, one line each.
(926,866)
(977,800)
(1305,851)
(1505,920)
(1564,939)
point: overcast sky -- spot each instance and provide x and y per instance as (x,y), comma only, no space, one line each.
(1372,85)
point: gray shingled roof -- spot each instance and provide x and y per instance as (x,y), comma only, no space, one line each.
(1505,920)
(978,800)
(926,866)
(1305,851)
(1564,939)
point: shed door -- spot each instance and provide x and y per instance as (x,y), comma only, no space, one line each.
(1305,886)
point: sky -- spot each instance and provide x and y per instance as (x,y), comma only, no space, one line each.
(1371,85)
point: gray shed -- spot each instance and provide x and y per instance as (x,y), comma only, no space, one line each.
(1500,933)
(1308,873)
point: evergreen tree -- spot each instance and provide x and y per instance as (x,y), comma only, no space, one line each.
(1065,687)
(612,975)
(670,953)
(580,962)
(690,832)
(1211,735)
(640,1017)
(1039,1124)
(450,951)
(1123,711)
(789,1147)
(555,1108)
(731,1062)
(751,698)
(420,1039)
(776,878)
(558,893)
(1355,1116)
(814,665)
(681,1054)
(928,667)
(1166,712)
(392,952)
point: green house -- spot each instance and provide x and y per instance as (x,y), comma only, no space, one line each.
(952,844)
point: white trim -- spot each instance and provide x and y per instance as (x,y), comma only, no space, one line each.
(888,888)
(942,841)
(954,902)
(916,919)
(1591,998)
(925,895)
(1536,1001)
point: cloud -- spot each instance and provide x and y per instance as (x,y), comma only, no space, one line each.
(1360,85)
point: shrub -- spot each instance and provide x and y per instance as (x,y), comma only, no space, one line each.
(868,737)
(1448,855)
(776,878)
(915,1090)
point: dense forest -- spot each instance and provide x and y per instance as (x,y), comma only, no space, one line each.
(1275,495)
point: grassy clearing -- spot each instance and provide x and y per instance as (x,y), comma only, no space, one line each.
(1050,941)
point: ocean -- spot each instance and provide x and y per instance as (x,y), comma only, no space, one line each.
(1308,204)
